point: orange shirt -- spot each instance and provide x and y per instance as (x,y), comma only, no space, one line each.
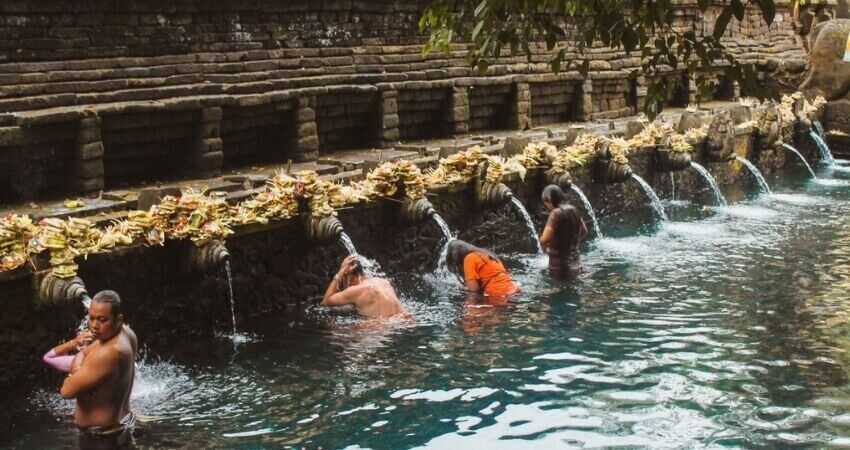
(491,275)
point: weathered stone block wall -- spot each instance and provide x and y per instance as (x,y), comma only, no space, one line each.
(48,31)
(424,113)
(347,121)
(612,97)
(259,134)
(83,61)
(555,102)
(492,107)
(38,163)
(138,145)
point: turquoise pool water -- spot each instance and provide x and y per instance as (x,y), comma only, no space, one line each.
(725,327)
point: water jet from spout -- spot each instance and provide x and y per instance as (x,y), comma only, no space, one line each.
(799,155)
(588,208)
(756,174)
(711,182)
(656,202)
(520,208)
(823,148)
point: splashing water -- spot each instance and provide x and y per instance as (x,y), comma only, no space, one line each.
(710,180)
(588,208)
(84,323)
(756,173)
(447,232)
(370,267)
(348,243)
(793,150)
(825,153)
(655,201)
(232,301)
(528,223)
(819,127)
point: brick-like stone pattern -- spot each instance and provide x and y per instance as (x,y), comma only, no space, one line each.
(208,152)
(63,61)
(612,98)
(554,102)
(424,113)
(259,134)
(35,162)
(347,120)
(88,171)
(142,147)
(492,107)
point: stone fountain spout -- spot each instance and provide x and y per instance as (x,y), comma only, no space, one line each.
(769,128)
(610,169)
(720,141)
(323,229)
(487,193)
(666,160)
(416,211)
(563,180)
(54,291)
(211,256)
(803,123)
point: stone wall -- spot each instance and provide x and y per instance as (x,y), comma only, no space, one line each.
(348,120)
(555,102)
(258,134)
(492,107)
(146,143)
(423,113)
(339,66)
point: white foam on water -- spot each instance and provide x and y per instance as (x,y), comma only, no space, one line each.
(800,199)
(693,229)
(249,433)
(832,182)
(750,212)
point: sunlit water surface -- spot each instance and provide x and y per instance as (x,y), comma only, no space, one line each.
(723,327)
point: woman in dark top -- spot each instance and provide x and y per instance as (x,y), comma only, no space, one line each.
(562,234)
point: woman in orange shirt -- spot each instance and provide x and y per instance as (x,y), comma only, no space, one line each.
(480,269)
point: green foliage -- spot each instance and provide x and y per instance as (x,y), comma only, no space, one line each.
(568,28)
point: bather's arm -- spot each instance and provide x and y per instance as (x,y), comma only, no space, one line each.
(61,363)
(546,237)
(59,357)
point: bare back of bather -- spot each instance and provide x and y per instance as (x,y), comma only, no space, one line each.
(373,297)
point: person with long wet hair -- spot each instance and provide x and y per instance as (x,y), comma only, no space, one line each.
(479,269)
(563,232)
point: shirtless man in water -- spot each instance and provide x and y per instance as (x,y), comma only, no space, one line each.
(101,378)
(374,298)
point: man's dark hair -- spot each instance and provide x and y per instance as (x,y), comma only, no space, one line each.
(357,268)
(110,297)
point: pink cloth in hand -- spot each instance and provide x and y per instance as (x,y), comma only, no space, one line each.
(61,363)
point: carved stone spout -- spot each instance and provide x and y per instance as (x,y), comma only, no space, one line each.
(563,180)
(666,160)
(609,168)
(803,123)
(54,291)
(487,193)
(416,211)
(720,141)
(322,229)
(769,132)
(208,257)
